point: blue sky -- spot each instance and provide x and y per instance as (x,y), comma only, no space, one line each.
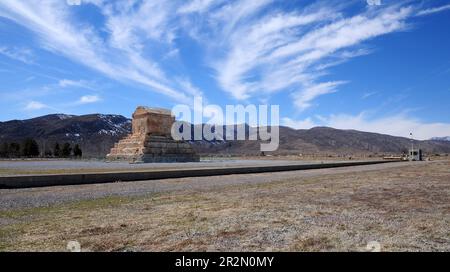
(379,66)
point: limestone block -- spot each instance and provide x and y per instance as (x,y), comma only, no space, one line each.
(151,141)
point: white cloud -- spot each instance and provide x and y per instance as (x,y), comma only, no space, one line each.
(88,99)
(24,55)
(343,33)
(189,88)
(35,105)
(433,10)
(197,6)
(131,24)
(298,124)
(119,57)
(74,2)
(397,125)
(368,94)
(64,83)
(173,53)
(303,98)
(235,12)
(249,45)
(374,2)
(255,50)
(285,51)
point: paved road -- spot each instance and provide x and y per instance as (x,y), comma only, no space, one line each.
(38,197)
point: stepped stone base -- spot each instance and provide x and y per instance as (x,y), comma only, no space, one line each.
(152,149)
(151,140)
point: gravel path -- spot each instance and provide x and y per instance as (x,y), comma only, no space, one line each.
(30,167)
(39,197)
(72,164)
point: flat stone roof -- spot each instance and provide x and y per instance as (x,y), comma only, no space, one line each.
(143,109)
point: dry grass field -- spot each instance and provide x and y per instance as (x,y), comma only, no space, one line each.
(405,208)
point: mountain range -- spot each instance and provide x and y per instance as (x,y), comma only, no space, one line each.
(97,133)
(441,138)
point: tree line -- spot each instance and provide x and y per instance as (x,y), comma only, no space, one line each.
(29,148)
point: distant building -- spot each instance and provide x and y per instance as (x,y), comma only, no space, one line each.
(415,155)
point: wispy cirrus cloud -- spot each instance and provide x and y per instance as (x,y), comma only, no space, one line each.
(255,47)
(289,51)
(24,55)
(35,105)
(303,99)
(249,47)
(368,94)
(64,83)
(430,11)
(88,99)
(119,56)
(197,6)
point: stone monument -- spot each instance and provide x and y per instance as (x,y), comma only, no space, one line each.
(151,140)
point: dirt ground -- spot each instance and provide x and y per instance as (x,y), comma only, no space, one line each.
(404,208)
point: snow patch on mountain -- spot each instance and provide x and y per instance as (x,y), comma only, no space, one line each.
(447,138)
